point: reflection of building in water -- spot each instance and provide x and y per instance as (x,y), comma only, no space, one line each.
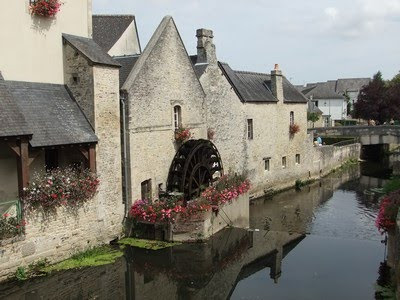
(210,270)
(103,282)
(293,211)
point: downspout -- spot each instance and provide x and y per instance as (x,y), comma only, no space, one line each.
(125,154)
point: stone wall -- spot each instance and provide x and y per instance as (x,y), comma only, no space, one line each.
(78,76)
(225,116)
(57,235)
(162,78)
(204,225)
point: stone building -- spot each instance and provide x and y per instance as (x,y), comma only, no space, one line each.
(251,114)
(59,101)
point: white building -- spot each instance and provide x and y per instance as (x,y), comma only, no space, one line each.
(334,97)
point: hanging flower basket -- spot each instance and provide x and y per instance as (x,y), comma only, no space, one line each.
(182,134)
(45,8)
(294,128)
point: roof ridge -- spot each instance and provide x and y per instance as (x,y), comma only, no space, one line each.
(250,72)
(111,15)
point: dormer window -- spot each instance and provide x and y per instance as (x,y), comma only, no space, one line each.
(177,117)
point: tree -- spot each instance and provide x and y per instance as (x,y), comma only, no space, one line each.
(393,96)
(372,103)
(313,117)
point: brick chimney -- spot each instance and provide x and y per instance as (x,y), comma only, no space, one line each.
(205,47)
(277,83)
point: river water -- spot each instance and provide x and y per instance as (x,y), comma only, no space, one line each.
(317,243)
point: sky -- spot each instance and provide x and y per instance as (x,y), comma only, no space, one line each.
(311,40)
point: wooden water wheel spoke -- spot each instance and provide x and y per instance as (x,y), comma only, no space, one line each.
(193,168)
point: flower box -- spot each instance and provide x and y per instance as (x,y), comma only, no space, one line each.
(45,8)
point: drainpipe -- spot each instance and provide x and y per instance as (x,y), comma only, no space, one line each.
(125,154)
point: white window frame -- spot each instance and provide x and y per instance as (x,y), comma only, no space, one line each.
(177,117)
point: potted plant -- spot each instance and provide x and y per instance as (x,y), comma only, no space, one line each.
(45,8)
(294,128)
(182,134)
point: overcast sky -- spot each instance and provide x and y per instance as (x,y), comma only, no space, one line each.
(312,40)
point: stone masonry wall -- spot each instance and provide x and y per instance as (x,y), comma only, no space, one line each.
(166,78)
(204,225)
(225,116)
(76,66)
(57,236)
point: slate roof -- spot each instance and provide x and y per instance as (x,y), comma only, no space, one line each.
(51,114)
(127,63)
(312,108)
(198,68)
(256,87)
(107,29)
(92,51)
(12,120)
(322,90)
(351,84)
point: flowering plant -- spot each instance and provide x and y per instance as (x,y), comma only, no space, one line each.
(45,8)
(388,210)
(10,226)
(182,134)
(225,190)
(294,128)
(67,186)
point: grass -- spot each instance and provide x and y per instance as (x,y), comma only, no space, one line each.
(91,258)
(146,244)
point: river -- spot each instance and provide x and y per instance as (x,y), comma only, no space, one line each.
(317,243)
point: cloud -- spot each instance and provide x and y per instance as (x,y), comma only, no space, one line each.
(362,19)
(331,12)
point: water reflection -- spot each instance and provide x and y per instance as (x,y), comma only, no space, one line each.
(319,243)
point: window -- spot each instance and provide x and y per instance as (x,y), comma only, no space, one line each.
(146,189)
(291,118)
(284,162)
(51,159)
(177,117)
(297,159)
(316,103)
(250,129)
(267,164)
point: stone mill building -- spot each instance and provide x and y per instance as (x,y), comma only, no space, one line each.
(79,90)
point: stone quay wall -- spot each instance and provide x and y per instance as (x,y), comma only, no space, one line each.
(204,225)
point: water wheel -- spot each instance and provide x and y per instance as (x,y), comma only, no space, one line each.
(195,166)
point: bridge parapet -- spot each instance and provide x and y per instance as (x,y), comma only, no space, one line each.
(369,135)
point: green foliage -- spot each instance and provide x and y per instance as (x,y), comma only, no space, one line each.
(146,244)
(379,100)
(392,185)
(93,257)
(21,274)
(312,117)
(299,184)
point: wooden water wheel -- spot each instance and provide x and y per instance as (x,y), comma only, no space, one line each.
(195,166)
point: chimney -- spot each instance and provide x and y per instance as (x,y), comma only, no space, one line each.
(205,47)
(277,83)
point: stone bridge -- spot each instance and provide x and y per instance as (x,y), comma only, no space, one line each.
(367,135)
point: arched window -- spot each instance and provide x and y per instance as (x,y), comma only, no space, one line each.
(177,116)
(291,118)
